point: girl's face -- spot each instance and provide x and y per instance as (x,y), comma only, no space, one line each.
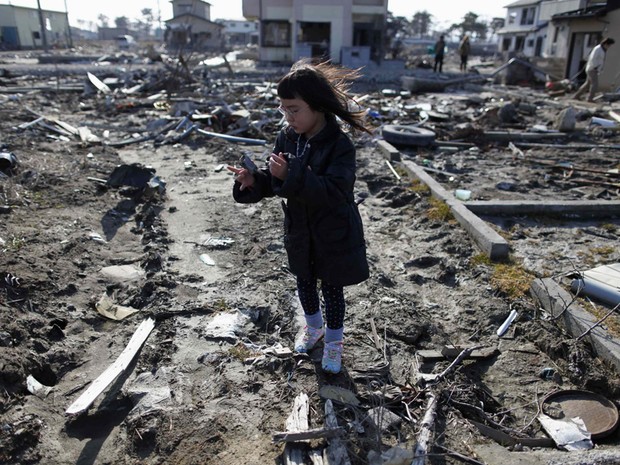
(303,119)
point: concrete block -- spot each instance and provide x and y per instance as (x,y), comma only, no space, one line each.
(487,239)
(389,152)
(562,305)
(562,208)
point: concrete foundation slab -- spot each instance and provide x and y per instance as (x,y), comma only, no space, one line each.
(489,241)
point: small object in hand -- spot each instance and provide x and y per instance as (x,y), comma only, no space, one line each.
(248,164)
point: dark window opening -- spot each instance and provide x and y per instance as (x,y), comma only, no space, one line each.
(316,36)
(276,34)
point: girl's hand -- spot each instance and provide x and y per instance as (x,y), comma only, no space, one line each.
(278,166)
(243,177)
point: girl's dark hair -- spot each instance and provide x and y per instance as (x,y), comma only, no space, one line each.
(324,87)
(608,41)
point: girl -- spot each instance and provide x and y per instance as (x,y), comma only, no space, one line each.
(313,167)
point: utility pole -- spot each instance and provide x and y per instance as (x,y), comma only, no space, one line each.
(68,26)
(42,25)
(159,18)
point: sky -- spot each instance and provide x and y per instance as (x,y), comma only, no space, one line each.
(444,12)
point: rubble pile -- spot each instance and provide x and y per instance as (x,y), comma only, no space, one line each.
(147,318)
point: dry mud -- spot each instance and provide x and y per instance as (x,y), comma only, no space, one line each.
(195,394)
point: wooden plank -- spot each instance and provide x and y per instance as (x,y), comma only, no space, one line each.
(451,352)
(99,84)
(298,418)
(114,370)
(375,335)
(316,457)
(336,452)
(614,115)
(297,421)
(426,431)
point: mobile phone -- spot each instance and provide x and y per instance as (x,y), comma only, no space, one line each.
(248,164)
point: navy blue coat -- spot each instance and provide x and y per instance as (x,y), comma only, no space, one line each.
(323,232)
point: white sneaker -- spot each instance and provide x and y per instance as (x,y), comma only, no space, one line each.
(309,340)
(332,357)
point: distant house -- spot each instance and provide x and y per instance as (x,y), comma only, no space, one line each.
(560,34)
(575,33)
(112,33)
(527,22)
(191,27)
(20,28)
(83,34)
(349,32)
(240,32)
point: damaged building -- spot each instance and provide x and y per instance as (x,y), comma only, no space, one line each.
(349,32)
(191,27)
(23,28)
(558,35)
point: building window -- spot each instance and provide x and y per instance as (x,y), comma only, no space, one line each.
(519,41)
(506,44)
(527,16)
(556,33)
(512,17)
(276,34)
(530,43)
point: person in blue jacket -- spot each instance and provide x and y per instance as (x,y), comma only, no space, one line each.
(312,168)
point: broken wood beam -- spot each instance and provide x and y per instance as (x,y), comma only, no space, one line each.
(426,431)
(297,421)
(336,453)
(614,115)
(113,371)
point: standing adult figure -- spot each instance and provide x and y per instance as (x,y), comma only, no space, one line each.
(594,66)
(440,48)
(464,49)
(312,169)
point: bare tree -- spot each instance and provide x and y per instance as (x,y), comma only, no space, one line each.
(471,26)
(421,23)
(104,20)
(148,19)
(121,22)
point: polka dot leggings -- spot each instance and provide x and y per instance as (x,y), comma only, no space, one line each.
(332,295)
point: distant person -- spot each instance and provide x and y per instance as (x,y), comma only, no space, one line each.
(464,49)
(440,48)
(396,47)
(594,66)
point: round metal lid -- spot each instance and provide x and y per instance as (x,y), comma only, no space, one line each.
(599,414)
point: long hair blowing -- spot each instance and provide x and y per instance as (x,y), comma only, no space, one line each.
(324,87)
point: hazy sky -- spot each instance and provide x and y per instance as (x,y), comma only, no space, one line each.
(443,11)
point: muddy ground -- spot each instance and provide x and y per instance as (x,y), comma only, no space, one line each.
(213,382)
